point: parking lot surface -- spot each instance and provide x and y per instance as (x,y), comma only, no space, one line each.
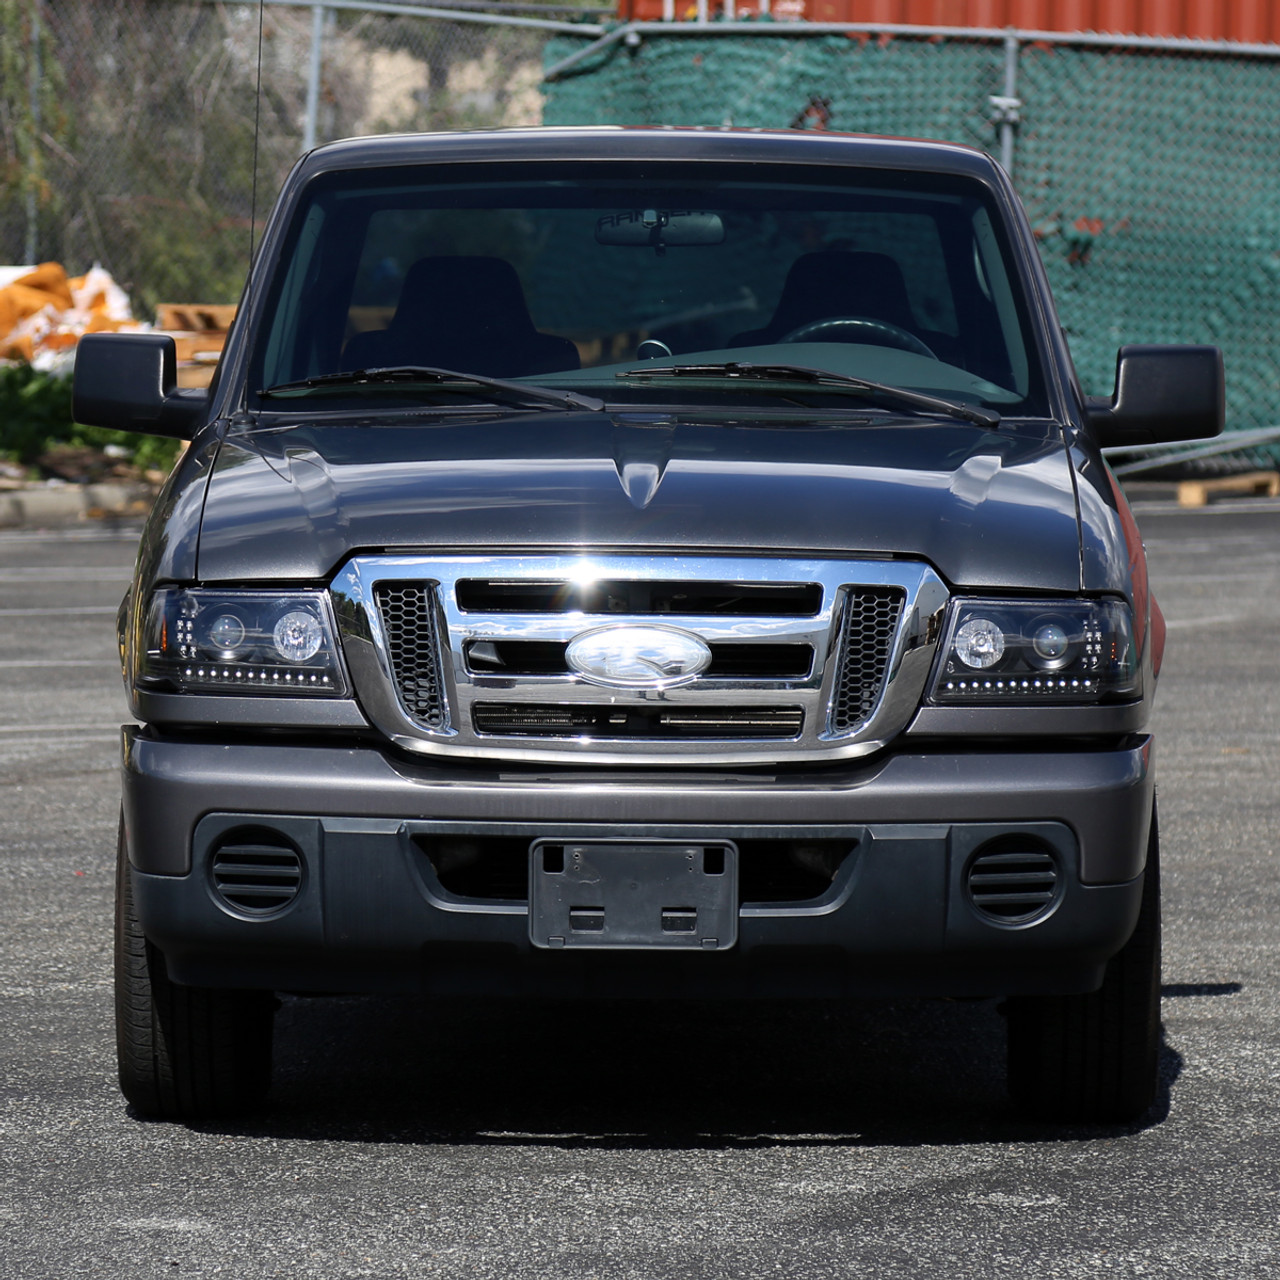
(408,1138)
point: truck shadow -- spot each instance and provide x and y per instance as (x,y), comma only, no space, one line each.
(650,1075)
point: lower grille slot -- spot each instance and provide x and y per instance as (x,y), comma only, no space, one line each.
(587,721)
(486,867)
(496,868)
(789,870)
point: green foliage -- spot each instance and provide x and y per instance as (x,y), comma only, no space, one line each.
(189,256)
(33,123)
(35,412)
(132,122)
(35,408)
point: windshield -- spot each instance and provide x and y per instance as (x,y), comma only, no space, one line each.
(594,276)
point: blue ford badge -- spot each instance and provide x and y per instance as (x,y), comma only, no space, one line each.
(638,657)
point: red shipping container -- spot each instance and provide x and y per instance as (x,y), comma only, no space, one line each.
(1248,21)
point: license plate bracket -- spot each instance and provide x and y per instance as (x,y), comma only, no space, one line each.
(633,895)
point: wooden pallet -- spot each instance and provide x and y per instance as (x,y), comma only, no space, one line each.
(199,330)
(1196,493)
(196,317)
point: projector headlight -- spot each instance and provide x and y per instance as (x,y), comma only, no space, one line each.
(1024,651)
(241,642)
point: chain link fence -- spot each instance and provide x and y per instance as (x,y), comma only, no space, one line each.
(127,127)
(1148,167)
(1153,185)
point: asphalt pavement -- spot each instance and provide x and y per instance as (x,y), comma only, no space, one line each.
(504,1141)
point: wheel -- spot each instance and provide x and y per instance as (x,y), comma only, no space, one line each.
(184,1053)
(1096,1057)
(859,329)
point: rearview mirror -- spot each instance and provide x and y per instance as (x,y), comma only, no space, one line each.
(1163,395)
(660,228)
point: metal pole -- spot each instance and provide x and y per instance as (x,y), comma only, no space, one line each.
(31,246)
(1007,131)
(313,78)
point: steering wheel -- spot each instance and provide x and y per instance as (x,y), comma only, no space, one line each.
(858,329)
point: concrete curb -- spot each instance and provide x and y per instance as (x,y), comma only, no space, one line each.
(56,506)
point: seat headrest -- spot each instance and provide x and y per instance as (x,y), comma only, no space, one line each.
(833,282)
(461,292)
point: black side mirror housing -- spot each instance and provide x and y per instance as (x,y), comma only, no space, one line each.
(1163,395)
(129,382)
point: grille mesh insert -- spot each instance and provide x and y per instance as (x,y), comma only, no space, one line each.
(408,621)
(870,625)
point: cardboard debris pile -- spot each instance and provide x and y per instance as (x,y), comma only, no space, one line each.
(43,312)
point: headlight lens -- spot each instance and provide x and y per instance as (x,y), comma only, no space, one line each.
(241,642)
(298,636)
(979,643)
(1025,651)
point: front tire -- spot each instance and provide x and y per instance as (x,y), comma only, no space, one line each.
(184,1053)
(1095,1058)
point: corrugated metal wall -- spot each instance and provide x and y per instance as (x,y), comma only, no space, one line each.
(1245,21)
(1251,21)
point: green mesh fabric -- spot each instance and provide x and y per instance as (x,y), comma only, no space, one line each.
(1154,185)
(900,86)
(1152,178)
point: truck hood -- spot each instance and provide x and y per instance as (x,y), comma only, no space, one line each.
(984,507)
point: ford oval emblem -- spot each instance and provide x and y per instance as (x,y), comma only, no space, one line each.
(638,657)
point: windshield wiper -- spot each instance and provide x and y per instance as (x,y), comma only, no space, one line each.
(821,378)
(499,390)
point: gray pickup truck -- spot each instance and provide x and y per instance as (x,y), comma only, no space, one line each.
(642,562)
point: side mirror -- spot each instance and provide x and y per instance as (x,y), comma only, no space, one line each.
(129,382)
(1163,395)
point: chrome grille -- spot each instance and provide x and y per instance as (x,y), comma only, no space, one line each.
(467,654)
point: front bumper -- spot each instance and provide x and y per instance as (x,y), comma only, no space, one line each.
(370,913)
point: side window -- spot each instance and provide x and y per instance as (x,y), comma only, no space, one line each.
(285,359)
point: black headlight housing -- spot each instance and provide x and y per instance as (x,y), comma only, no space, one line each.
(1023,652)
(279,643)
